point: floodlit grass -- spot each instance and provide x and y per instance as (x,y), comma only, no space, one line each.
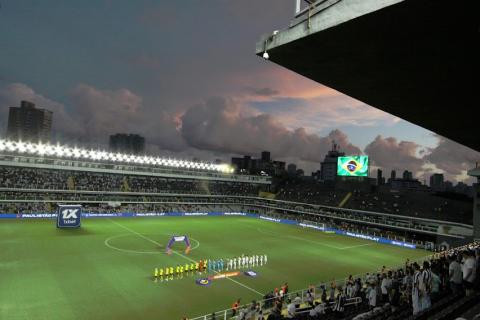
(104,270)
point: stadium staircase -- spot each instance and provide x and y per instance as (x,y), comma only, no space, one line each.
(71,183)
(125,185)
(345,200)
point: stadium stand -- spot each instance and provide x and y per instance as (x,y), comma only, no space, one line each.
(414,204)
(29,178)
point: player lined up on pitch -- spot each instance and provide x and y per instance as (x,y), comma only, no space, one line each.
(210,265)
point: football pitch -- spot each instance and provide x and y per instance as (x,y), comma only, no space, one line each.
(104,270)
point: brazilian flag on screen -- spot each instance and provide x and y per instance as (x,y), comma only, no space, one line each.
(354,166)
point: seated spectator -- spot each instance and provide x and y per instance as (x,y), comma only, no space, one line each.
(291,309)
(319,309)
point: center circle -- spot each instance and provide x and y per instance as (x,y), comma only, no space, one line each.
(108,243)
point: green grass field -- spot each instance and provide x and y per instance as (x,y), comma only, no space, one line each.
(104,269)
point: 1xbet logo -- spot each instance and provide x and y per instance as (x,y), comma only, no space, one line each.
(70,214)
(69,217)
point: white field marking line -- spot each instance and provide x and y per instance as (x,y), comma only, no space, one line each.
(298,238)
(357,246)
(333,247)
(315,242)
(107,243)
(185,257)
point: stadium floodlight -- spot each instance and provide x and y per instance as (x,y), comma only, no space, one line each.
(21,147)
(60,151)
(10,146)
(40,149)
(68,152)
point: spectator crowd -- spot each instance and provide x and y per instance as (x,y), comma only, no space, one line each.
(415,290)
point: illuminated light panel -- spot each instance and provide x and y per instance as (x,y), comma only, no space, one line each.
(79,153)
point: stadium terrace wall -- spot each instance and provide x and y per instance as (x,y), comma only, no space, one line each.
(193,214)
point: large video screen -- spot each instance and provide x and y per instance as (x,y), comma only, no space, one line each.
(354,166)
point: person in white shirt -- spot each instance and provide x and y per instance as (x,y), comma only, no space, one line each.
(297,301)
(425,286)
(372,296)
(318,310)
(469,272)
(291,310)
(455,274)
(416,289)
(385,286)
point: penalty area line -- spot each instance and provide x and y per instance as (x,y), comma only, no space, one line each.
(181,255)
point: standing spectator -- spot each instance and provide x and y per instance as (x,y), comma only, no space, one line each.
(323,296)
(455,274)
(309,298)
(339,306)
(425,286)
(436,282)
(394,296)
(333,286)
(385,286)
(469,272)
(350,289)
(416,289)
(372,296)
(235,306)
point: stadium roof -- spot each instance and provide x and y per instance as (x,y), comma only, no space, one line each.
(416,59)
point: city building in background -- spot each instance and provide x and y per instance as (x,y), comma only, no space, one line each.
(393,174)
(264,165)
(28,123)
(127,143)
(380,178)
(266,156)
(328,167)
(407,175)
(437,182)
(292,169)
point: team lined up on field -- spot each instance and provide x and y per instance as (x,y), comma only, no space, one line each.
(210,265)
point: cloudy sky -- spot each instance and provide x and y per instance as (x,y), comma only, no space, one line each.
(184,75)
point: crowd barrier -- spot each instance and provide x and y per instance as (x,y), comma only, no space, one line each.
(193,214)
